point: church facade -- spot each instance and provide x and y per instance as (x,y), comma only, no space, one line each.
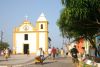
(28,39)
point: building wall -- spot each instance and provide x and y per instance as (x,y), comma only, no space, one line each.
(37,37)
(42,40)
(29,27)
(86,45)
(20,42)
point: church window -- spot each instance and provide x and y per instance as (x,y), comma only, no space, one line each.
(41,26)
(25,36)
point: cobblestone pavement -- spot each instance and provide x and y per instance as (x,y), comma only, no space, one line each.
(61,62)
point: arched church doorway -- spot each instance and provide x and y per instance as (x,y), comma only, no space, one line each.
(26,48)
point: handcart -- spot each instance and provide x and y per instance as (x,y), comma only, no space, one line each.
(39,59)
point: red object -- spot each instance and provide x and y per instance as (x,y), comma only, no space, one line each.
(79,45)
(53,51)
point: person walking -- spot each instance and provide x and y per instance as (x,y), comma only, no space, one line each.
(62,52)
(40,55)
(65,49)
(9,52)
(74,53)
(57,52)
(53,52)
(6,53)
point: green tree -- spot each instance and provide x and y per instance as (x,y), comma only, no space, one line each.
(80,18)
(3,45)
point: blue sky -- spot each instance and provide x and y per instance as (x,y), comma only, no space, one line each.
(13,12)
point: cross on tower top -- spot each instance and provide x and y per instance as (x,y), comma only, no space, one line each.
(26,17)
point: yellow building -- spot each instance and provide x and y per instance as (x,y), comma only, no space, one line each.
(27,38)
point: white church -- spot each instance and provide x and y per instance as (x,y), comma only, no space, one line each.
(27,38)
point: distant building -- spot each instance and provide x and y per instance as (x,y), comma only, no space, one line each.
(28,39)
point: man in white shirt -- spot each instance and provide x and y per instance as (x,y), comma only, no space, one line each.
(40,54)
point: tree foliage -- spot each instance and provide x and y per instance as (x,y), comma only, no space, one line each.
(80,18)
(3,45)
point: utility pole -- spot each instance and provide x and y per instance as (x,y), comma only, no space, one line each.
(1,37)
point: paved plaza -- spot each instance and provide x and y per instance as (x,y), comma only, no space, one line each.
(28,61)
(61,62)
(16,60)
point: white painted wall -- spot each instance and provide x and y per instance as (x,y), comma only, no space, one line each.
(20,42)
(86,45)
(42,40)
(32,41)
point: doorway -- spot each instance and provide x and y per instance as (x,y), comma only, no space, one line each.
(26,48)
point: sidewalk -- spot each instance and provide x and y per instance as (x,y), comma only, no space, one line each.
(16,60)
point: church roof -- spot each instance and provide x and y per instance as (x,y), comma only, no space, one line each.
(26,22)
(42,18)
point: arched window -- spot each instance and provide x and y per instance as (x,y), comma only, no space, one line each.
(41,26)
